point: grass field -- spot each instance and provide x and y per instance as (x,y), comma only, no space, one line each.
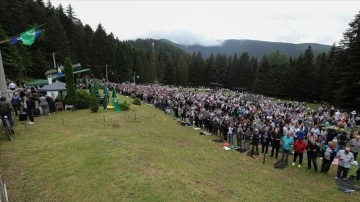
(143,155)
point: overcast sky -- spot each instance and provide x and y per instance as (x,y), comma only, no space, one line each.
(208,22)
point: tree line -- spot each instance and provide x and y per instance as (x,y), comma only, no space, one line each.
(330,76)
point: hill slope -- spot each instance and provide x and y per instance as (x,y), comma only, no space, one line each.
(123,157)
(257,48)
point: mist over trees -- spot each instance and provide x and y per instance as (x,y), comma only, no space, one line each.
(332,76)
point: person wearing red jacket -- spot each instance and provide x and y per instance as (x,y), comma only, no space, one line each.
(299,148)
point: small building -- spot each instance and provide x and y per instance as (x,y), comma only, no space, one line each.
(58,74)
(215,85)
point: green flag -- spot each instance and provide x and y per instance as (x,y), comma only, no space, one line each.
(28,37)
(115,101)
(106,97)
(96,90)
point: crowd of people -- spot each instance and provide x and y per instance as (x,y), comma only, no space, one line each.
(248,121)
(244,121)
(23,102)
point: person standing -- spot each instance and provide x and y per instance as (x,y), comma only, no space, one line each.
(239,135)
(255,142)
(345,158)
(15,102)
(275,144)
(355,146)
(30,106)
(51,103)
(265,139)
(287,142)
(312,150)
(299,148)
(230,135)
(44,104)
(342,140)
(248,138)
(328,157)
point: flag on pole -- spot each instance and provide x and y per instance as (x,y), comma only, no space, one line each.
(59,72)
(96,90)
(106,97)
(28,37)
(17,39)
(115,101)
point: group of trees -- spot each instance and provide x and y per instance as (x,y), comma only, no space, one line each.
(330,76)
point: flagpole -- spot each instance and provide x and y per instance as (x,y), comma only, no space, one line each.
(3,86)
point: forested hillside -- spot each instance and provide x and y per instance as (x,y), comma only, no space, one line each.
(331,76)
(256,48)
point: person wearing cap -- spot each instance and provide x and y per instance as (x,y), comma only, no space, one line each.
(345,159)
(6,109)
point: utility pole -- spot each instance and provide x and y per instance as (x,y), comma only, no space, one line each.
(53,54)
(107,78)
(134,78)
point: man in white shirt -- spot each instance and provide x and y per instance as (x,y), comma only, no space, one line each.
(345,159)
(355,146)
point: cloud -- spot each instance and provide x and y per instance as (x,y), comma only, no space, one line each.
(183,37)
(208,22)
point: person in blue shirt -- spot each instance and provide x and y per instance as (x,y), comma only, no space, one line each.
(287,142)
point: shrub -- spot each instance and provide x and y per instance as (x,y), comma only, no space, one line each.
(124,106)
(94,103)
(83,101)
(137,101)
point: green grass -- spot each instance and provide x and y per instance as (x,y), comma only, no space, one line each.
(143,155)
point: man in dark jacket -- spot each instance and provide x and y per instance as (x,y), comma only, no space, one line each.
(265,139)
(275,144)
(255,142)
(312,151)
(51,103)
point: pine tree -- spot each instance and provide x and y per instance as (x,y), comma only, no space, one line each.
(254,68)
(279,65)
(244,70)
(263,76)
(71,96)
(94,104)
(348,92)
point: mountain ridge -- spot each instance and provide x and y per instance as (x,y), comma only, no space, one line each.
(255,48)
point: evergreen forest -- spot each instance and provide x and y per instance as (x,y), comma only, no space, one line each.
(332,76)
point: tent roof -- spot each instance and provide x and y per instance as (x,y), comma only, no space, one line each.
(51,71)
(57,86)
(39,82)
(76,72)
(251,98)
